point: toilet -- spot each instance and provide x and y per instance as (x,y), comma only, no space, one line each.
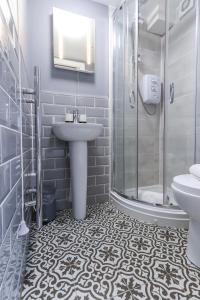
(186,189)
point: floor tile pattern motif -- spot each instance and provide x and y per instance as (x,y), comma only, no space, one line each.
(109,256)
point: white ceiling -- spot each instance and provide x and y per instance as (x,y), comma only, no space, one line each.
(109,2)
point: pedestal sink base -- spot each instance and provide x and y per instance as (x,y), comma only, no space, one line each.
(78,134)
(78,171)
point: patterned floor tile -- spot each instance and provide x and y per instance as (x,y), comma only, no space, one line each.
(108,256)
(125,286)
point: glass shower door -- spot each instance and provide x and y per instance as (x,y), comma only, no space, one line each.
(130,99)
(118,101)
(125,99)
(180,91)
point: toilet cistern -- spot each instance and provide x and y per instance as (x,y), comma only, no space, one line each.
(78,134)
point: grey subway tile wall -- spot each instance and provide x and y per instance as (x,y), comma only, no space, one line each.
(56,165)
(12,246)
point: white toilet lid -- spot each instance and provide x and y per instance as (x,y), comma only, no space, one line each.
(187,183)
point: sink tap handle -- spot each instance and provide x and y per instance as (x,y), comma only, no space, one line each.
(76,115)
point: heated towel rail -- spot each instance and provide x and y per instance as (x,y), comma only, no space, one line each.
(38,174)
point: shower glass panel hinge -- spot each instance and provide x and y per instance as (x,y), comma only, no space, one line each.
(171,93)
(132,99)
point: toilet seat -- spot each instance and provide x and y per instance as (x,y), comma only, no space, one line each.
(187,183)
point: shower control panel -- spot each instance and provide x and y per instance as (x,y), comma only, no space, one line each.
(151,88)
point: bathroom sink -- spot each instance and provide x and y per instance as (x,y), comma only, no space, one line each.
(72,132)
(78,134)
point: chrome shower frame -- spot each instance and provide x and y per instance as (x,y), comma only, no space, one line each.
(164,214)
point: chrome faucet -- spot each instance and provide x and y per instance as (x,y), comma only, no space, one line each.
(76,115)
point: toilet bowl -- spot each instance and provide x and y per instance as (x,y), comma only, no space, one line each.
(186,189)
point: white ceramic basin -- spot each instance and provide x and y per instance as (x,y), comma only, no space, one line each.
(78,134)
(72,132)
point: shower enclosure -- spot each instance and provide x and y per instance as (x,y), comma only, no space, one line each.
(155,45)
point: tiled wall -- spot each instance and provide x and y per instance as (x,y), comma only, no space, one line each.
(12,247)
(56,166)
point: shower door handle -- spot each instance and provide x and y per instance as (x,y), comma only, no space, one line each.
(132,99)
(171,101)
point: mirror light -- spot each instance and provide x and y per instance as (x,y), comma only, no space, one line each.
(72,25)
(60,45)
(74,38)
(89,47)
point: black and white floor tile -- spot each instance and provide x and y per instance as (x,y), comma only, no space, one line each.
(108,256)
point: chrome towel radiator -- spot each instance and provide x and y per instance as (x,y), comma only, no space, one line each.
(39,215)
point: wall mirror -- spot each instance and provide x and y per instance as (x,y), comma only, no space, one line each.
(73,41)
